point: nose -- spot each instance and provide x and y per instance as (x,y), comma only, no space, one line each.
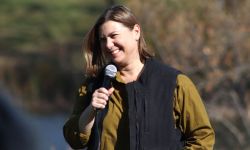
(109,43)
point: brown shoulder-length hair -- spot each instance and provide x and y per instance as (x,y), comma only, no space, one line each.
(94,57)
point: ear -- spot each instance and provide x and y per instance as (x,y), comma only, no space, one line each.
(137,31)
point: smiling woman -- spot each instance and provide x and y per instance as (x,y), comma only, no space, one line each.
(120,44)
(121,20)
(149,106)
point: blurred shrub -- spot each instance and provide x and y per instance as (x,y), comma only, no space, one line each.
(40,43)
(209,41)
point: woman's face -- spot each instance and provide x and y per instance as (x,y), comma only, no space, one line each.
(119,42)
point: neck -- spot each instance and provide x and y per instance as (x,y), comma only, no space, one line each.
(131,71)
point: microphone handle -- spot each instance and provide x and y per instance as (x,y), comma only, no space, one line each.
(107,82)
(107,85)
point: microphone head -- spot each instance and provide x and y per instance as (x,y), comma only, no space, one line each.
(110,70)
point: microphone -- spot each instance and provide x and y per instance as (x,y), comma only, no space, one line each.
(109,74)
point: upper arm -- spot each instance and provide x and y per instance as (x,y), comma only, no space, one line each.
(191,116)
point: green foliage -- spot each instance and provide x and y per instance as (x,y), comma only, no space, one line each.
(40,48)
(30,25)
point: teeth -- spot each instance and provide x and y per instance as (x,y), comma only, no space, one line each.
(115,51)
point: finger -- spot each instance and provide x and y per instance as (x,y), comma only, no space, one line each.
(103,90)
(99,101)
(99,105)
(100,95)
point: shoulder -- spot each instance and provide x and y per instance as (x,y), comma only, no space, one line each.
(186,90)
(156,66)
(88,85)
(184,81)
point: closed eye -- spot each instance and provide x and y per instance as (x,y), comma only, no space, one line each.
(113,36)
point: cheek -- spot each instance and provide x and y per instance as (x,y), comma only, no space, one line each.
(119,42)
(132,43)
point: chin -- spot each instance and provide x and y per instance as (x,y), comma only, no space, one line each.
(117,62)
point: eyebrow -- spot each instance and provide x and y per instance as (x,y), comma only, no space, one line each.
(102,36)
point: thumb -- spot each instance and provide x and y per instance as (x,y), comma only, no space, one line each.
(111,90)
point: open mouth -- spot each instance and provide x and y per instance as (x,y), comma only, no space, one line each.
(114,52)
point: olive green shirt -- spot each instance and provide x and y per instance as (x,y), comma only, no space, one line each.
(189,114)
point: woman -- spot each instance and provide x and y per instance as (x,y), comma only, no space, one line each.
(150,106)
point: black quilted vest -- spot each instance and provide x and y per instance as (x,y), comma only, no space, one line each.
(150,110)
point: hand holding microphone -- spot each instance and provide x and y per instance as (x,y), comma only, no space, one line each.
(101,96)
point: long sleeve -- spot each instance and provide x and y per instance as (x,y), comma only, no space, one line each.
(191,117)
(71,132)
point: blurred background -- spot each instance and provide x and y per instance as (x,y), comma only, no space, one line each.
(41,59)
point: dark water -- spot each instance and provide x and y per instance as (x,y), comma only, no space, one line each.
(48,131)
